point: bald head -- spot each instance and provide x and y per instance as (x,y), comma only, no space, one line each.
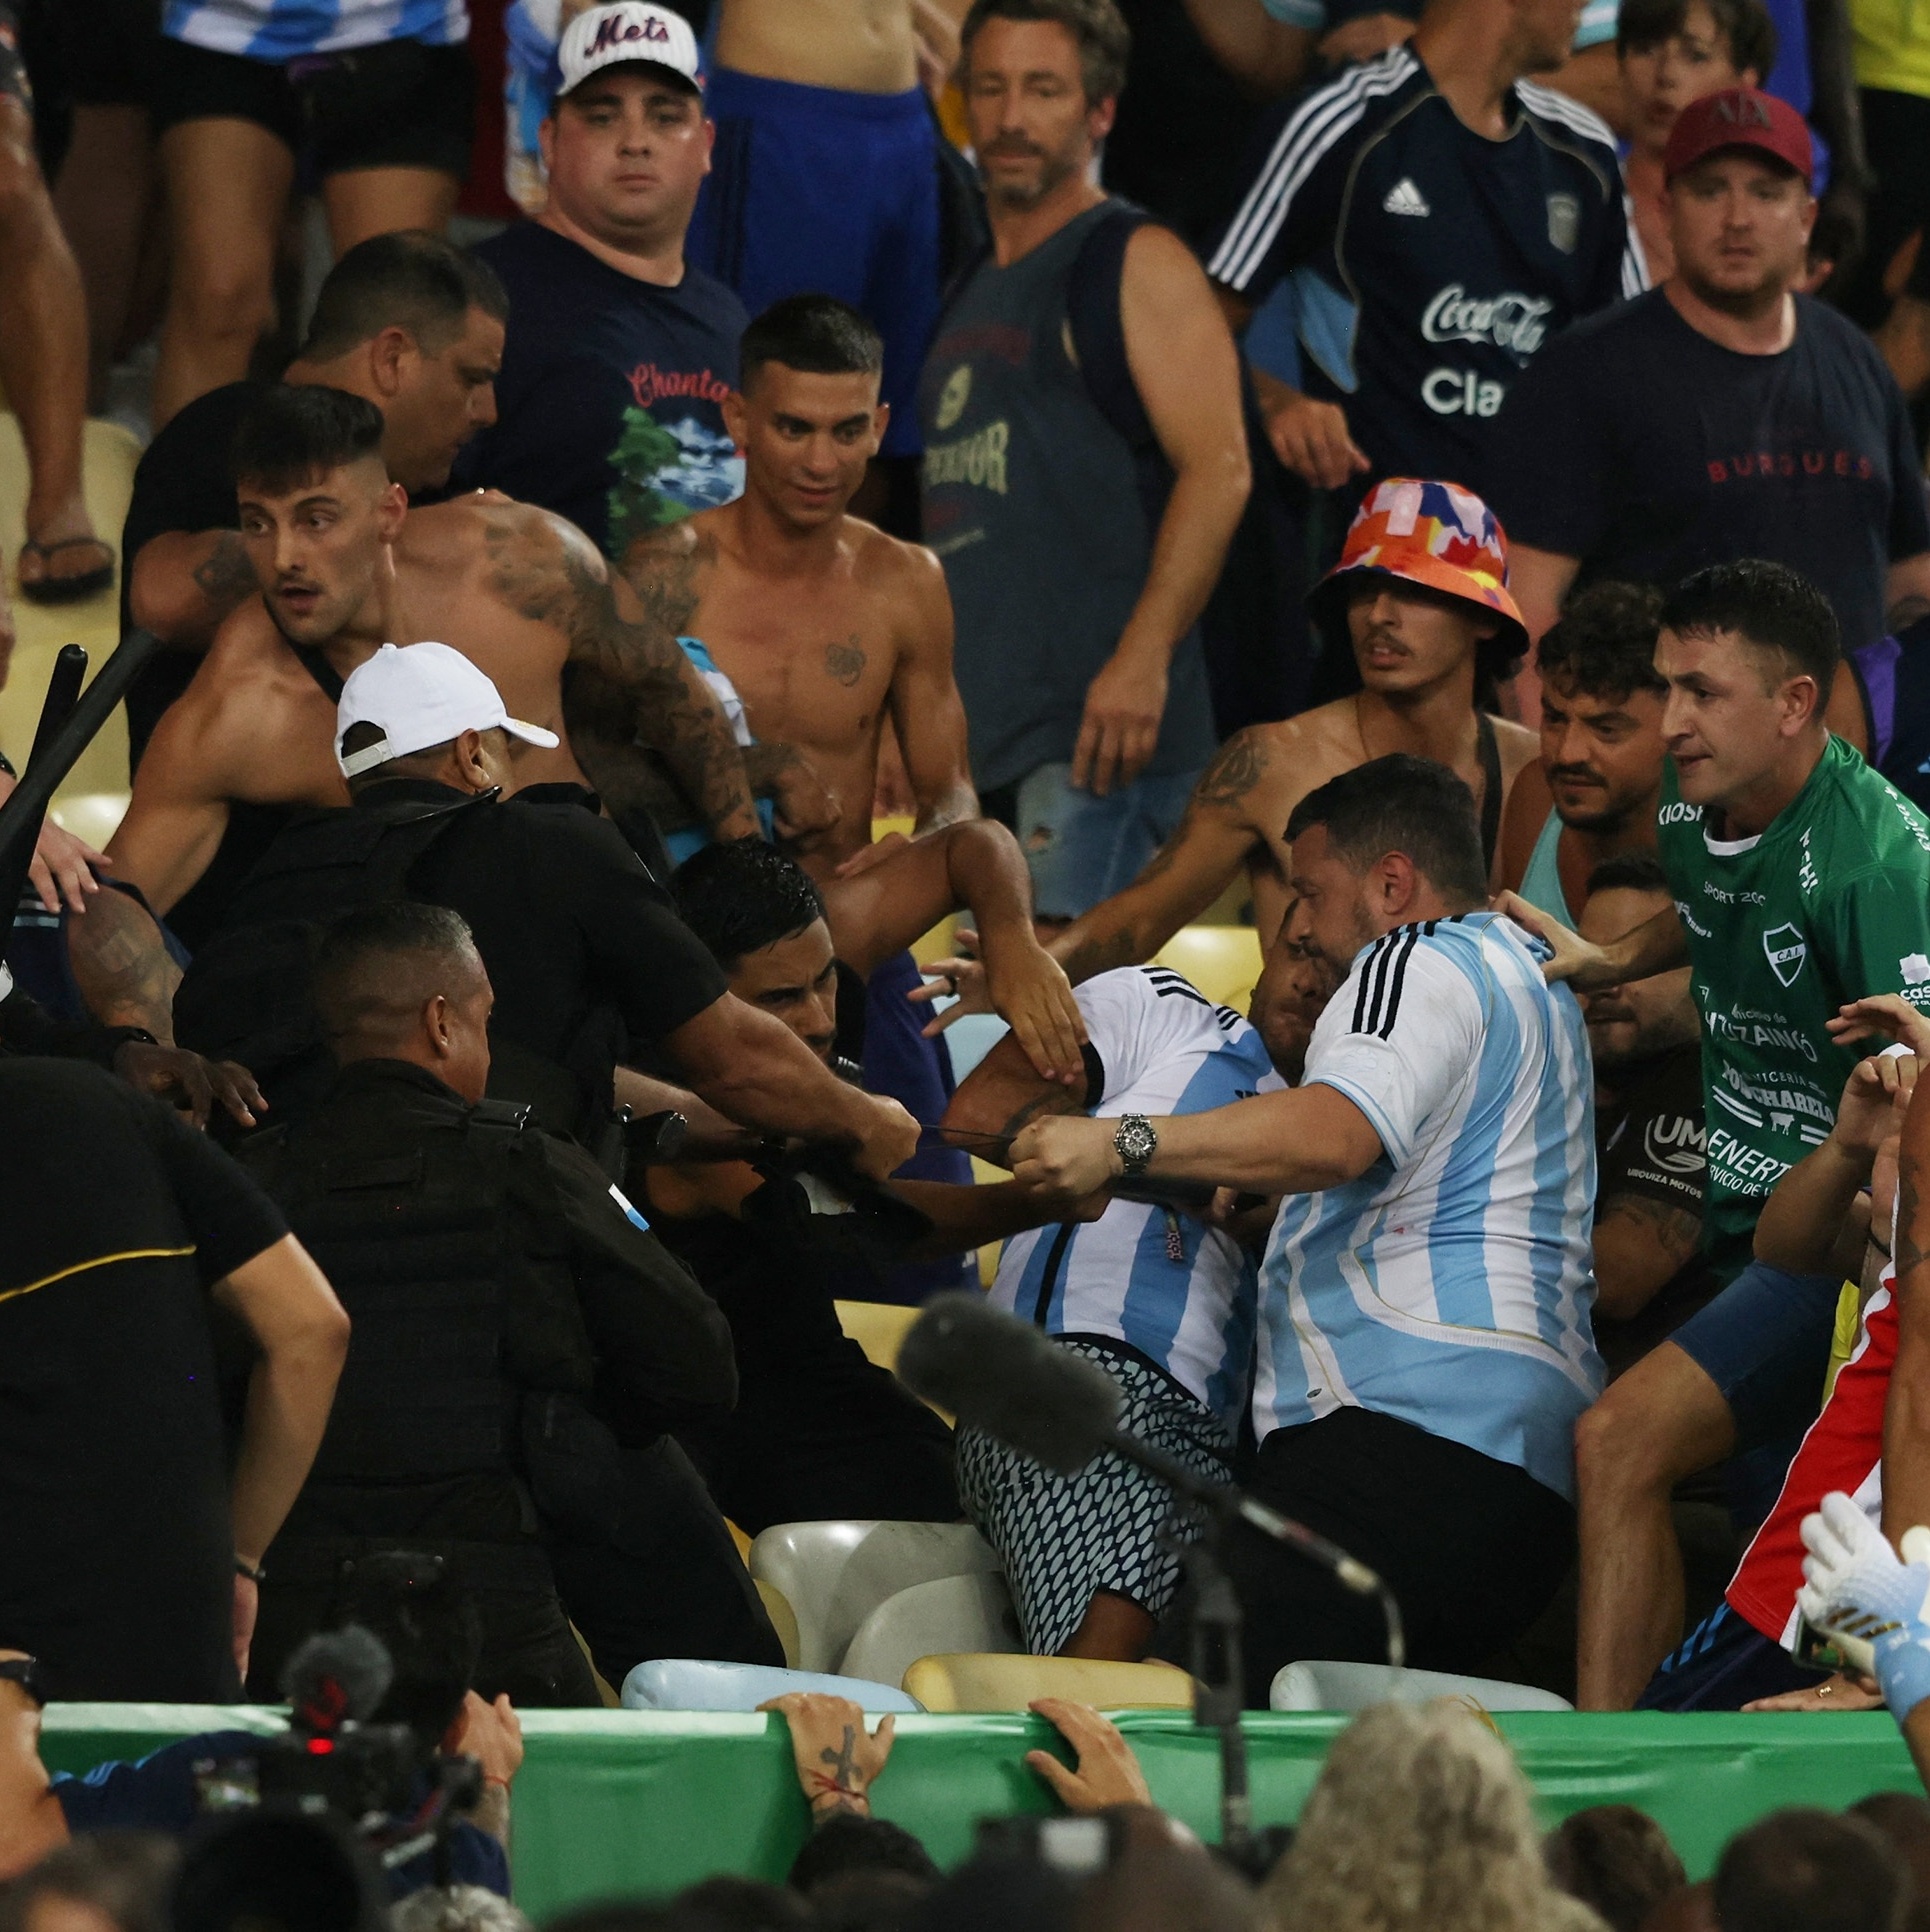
(404,981)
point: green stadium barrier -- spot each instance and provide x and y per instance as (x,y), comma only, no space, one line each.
(645,1802)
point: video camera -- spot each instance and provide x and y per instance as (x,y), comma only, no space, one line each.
(396,1792)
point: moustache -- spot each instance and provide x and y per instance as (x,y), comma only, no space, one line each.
(1575,775)
(1601,1013)
(1010,147)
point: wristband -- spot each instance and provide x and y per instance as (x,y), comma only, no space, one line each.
(489,1777)
(252,1571)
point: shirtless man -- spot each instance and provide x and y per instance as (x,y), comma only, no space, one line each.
(1593,793)
(1419,592)
(823,624)
(344,566)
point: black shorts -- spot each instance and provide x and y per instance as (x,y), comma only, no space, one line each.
(87,53)
(399,104)
(1472,1548)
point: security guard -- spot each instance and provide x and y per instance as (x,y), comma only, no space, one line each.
(514,1325)
(590,965)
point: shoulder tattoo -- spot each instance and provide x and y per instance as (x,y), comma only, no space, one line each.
(1235,770)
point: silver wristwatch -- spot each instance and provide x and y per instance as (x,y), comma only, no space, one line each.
(1135,1143)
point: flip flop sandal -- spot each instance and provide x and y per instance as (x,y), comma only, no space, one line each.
(66,590)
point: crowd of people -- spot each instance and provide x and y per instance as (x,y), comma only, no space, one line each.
(1447,491)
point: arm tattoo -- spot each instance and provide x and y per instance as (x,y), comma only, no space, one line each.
(1677,1231)
(671,709)
(766,763)
(225,576)
(1910,1255)
(1236,768)
(124,973)
(1100,955)
(665,580)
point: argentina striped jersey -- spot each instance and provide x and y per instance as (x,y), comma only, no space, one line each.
(1165,1049)
(278,30)
(1451,1285)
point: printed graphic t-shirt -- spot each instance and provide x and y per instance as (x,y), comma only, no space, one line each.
(1646,450)
(610,401)
(1830,903)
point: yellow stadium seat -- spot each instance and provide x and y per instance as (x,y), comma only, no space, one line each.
(878,1327)
(94,796)
(1222,961)
(981,1682)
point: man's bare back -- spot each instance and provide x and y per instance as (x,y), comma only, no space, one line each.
(1237,819)
(820,652)
(516,590)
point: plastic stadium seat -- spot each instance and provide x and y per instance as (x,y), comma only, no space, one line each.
(976,1681)
(1353,1687)
(1222,961)
(878,1327)
(690,1684)
(955,1613)
(833,1575)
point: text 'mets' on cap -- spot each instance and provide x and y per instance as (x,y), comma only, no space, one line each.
(628,30)
(1436,535)
(418,695)
(1739,117)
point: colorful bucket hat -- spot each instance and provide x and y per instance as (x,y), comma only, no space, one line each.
(1437,535)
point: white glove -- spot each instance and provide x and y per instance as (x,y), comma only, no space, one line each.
(1854,1586)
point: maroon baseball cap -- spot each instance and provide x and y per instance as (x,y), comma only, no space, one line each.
(1738,117)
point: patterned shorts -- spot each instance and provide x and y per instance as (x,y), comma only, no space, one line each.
(1064,1538)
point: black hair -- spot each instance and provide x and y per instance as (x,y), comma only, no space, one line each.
(1401,803)
(815,333)
(407,280)
(1629,872)
(1806,1870)
(355,961)
(740,897)
(429,1625)
(276,1871)
(291,434)
(1603,643)
(1744,24)
(1105,41)
(1615,1859)
(1768,605)
(847,1843)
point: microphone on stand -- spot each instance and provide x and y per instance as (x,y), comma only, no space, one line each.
(1007,1378)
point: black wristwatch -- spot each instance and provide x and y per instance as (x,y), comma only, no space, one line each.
(27,1673)
(1135,1143)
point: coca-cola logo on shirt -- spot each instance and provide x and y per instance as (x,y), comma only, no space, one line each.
(1517,323)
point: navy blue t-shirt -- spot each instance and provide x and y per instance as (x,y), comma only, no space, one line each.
(1429,263)
(158,1793)
(1641,447)
(609,404)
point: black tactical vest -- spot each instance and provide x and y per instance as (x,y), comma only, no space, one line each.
(414,1231)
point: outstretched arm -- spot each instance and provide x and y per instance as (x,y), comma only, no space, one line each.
(879,911)
(1183,877)
(552,573)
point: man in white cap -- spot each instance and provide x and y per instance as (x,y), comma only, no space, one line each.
(589,965)
(620,354)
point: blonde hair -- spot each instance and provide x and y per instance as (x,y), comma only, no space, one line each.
(1420,1822)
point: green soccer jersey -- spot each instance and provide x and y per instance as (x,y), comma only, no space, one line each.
(1831,903)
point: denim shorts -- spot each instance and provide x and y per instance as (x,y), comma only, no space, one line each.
(1765,1342)
(1082,848)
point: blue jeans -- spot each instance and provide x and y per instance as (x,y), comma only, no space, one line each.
(1082,848)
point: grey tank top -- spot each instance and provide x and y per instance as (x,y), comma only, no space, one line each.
(1033,502)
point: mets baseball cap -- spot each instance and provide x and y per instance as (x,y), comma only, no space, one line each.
(1437,535)
(1738,117)
(628,30)
(421,695)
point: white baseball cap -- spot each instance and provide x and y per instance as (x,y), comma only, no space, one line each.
(421,695)
(628,30)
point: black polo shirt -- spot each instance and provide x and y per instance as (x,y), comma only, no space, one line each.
(118,1552)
